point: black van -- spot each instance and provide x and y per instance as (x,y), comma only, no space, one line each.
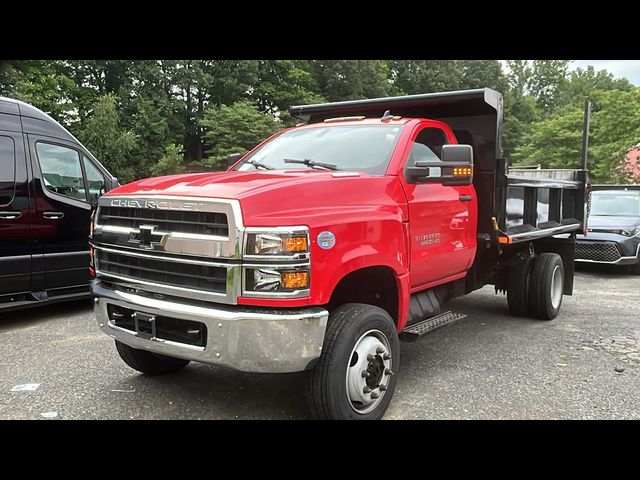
(49,185)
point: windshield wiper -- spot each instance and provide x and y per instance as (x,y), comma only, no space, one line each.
(260,165)
(311,163)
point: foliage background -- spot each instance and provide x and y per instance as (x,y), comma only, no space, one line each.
(155,117)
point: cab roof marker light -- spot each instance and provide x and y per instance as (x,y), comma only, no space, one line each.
(344,119)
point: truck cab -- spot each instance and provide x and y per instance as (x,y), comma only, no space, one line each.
(49,186)
(328,243)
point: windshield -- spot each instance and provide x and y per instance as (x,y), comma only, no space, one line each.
(364,148)
(616,205)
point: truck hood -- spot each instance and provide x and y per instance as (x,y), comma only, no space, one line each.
(283,197)
(606,222)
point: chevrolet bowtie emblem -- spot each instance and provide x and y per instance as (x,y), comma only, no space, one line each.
(146,236)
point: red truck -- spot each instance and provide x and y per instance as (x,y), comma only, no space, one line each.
(329,242)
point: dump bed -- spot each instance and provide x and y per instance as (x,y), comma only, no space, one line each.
(514,205)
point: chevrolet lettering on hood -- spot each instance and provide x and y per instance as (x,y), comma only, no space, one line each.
(157,204)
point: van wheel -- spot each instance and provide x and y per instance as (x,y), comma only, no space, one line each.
(546,286)
(518,281)
(148,362)
(354,378)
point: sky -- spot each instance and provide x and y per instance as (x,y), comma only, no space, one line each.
(619,68)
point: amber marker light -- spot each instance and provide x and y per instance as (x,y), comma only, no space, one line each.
(295,279)
(466,171)
(294,244)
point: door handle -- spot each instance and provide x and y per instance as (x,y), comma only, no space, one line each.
(53,215)
(10,215)
(465,198)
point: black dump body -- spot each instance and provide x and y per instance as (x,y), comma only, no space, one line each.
(515,206)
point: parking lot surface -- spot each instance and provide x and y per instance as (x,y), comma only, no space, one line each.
(585,364)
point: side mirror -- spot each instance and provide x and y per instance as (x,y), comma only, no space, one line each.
(233,158)
(456,167)
(111,184)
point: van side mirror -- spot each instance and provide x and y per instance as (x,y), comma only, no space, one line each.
(112,184)
(233,158)
(456,167)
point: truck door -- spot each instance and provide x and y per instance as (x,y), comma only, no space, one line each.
(66,185)
(442,219)
(16,244)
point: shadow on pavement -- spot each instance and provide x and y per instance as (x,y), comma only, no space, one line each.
(204,391)
(36,314)
(616,271)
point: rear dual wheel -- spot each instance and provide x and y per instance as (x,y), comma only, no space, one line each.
(536,286)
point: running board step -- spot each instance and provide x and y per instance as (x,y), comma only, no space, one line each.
(416,330)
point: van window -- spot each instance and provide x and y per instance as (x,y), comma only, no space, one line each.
(61,170)
(95,179)
(7,170)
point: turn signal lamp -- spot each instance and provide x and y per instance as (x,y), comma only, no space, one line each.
(295,279)
(462,171)
(294,244)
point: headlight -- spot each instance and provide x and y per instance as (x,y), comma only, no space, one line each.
(630,232)
(287,242)
(279,279)
(276,262)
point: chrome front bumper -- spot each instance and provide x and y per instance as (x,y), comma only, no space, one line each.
(249,340)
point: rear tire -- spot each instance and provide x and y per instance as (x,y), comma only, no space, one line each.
(518,281)
(147,362)
(355,376)
(546,286)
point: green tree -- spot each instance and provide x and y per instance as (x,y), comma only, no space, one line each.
(235,129)
(147,119)
(108,141)
(42,83)
(519,113)
(425,76)
(170,162)
(482,73)
(555,141)
(283,83)
(352,79)
(583,81)
(547,82)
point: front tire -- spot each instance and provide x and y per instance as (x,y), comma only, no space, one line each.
(354,378)
(148,362)
(547,286)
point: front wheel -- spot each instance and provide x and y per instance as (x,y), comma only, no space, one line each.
(354,376)
(148,362)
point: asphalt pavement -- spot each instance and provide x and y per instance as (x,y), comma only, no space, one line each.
(56,364)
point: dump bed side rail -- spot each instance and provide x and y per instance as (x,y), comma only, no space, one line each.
(542,203)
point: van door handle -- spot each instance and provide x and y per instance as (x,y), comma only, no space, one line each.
(53,215)
(10,215)
(465,198)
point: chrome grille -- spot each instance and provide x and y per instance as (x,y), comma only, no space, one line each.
(604,252)
(181,246)
(159,270)
(201,223)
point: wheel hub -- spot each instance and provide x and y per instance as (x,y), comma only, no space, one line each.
(557,286)
(369,371)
